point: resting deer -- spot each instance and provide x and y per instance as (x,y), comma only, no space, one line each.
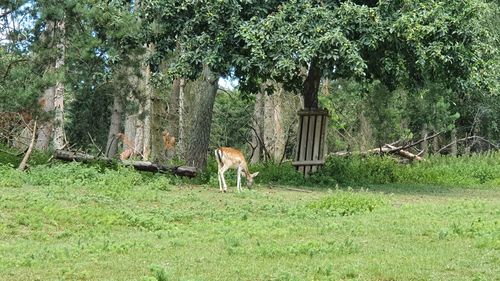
(228,158)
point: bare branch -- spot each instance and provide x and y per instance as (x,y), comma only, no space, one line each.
(496,146)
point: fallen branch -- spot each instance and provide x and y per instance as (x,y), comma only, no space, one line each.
(420,141)
(466,139)
(385,149)
(298,190)
(26,157)
(184,171)
(390,148)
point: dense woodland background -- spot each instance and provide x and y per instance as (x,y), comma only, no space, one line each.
(105,77)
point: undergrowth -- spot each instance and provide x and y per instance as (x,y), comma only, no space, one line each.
(481,170)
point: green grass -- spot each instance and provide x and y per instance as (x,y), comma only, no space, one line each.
(74,222)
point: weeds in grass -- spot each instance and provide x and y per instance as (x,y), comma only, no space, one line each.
(345,203)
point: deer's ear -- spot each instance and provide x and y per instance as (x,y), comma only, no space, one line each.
(255,174)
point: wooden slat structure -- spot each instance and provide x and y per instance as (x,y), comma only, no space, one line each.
(311,140)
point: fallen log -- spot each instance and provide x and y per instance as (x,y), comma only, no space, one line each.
(391,149)
(184,171)
(385,149)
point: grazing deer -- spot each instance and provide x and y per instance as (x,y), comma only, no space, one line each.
(228,158)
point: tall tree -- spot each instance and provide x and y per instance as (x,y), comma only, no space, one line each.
(206,34)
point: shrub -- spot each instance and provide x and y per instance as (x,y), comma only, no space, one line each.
(272,173)
(357,170)
(475,170)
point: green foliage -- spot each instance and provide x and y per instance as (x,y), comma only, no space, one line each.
(231,116)
(357,170)
(347,203)
(282,174)
(475,170)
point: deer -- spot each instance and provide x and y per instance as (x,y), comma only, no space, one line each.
(232,158)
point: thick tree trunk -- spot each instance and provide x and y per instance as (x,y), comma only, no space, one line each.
(139,134)
(200,136)
(173,109)
(274,137)
(114,127)
(158,117)
(59,135)
(44,134)
(146,146)
(311,86)
(130,129)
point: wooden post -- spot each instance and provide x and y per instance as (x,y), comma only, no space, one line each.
(311,140)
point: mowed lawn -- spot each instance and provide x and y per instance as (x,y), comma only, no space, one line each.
(196,233)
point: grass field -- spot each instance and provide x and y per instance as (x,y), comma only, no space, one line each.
(155,232)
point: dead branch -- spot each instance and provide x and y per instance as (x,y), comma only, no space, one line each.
(420,141)
(26,157)
(384,149)
(95,145)
(466,139)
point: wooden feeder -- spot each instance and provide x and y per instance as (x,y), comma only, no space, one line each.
(311,140)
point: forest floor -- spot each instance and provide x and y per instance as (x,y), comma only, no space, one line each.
(389,232)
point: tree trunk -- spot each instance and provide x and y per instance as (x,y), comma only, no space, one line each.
(424,146)
(45,129)
(311,86)
(454,147)
(435,144)
(114,127)
(146,147)
(139,134)
(59,135)
(278,132)
(44,135)
(158,116)
(258,127)
(130,129)
(200,136)
(173,109)
(181,139)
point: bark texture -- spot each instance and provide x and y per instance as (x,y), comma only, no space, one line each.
(311,86)
(59,135)
(114,127)
(197,148)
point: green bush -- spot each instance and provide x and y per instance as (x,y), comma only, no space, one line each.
(357,170)
(474,170)
(283,174)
